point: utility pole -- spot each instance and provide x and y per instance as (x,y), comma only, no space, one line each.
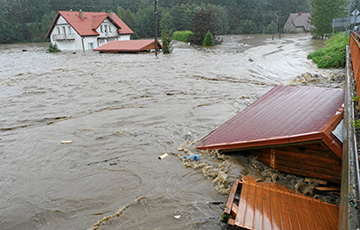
(278,13)
(155,24)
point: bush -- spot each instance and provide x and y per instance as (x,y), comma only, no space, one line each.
(182,35)
(208,40)
(53,48)
(166,40)
(334,53)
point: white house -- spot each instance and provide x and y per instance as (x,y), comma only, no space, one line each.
(298,22)
(77,30)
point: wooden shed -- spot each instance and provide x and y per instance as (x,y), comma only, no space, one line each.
(291,129)
(129,46)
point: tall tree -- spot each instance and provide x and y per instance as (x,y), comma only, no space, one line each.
(323,11)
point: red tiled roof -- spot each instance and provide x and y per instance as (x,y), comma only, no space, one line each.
(285,114)
(264,205)
(128,46)
(91,21)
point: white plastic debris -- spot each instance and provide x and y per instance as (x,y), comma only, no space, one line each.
(163,156)
(66,142)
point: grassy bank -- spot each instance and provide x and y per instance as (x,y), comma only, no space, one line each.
(334,53)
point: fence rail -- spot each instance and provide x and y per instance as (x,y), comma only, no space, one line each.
(350,178)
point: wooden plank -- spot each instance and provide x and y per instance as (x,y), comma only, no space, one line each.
(316,181)
(230,199)
(259,206)
(331,178)
(250,208)
(327,189)
(239,220)
(276,213)
(234,210)
(231,222)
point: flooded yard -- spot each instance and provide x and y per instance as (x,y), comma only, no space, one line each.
(119,113)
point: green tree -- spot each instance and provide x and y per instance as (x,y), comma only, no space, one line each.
(166,21)
(166,32)
(183,14)
(145,22)
(208,40)
(208,18)
(128,17)
(323,11)
(247,27)
(46,22)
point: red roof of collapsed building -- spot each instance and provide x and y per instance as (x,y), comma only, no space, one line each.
(128,46)
(86,23)
(285,114)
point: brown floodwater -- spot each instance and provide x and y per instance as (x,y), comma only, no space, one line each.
(121,112)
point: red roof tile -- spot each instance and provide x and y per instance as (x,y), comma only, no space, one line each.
(87,25)
(267,206)
(285,114)
(128,46)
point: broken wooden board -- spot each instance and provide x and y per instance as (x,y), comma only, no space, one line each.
(268,206)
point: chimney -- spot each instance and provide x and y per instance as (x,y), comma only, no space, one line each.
(81,14)
(299,13)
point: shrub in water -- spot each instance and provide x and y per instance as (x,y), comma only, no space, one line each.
(182,35)
(208,40)
(334,53)
(53,48)
(166,40)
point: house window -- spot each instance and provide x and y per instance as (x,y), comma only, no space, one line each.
(110,28)
(64,29)
(58,29)
(105,28)
(101,28)
(90,45)
(69,28)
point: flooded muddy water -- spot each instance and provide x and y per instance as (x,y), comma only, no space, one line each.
(119,112)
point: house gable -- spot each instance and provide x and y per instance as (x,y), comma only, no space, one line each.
(299,22)
(87,23)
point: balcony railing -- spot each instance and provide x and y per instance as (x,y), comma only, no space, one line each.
(59,37)
(108,35)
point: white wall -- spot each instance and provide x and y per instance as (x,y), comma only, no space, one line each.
(69,44)
(107,29)
(88,40)
(124,37)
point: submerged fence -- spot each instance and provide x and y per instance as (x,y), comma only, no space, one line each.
(350,178)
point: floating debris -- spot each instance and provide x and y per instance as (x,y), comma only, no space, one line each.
(66,142)
(193,157)
(163,156)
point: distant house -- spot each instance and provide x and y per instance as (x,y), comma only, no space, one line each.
(298,22)
(77,30)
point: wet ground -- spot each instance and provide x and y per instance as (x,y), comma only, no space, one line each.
(119,112)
